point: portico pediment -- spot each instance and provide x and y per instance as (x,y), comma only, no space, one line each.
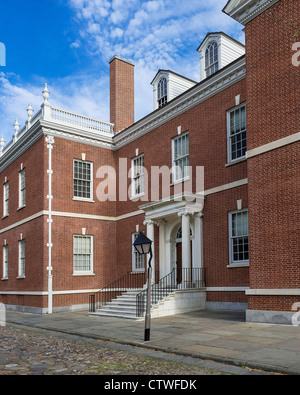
(174,205)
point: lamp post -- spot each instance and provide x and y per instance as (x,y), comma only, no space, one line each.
(143,245)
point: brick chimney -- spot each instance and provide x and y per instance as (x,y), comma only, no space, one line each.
(121,93)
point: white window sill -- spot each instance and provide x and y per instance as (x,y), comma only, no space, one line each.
(5,216)
(87,200)
(238,264)
(175,182)
(137,197)
(20,208)
(20,277)
(78,274)
(4,279)
(234,162)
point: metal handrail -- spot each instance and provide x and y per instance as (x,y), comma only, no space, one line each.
(176,280)
(131,280)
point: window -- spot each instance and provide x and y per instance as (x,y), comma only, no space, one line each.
(83,184)
(5,261)
(21,258)
(181,157)
(138,175)
(211,59)
(237,133)
(239,238)
(5,199)
(162,94)
(83,254)
(22,200)
(138,260)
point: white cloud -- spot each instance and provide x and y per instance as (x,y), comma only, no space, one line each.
(81,94)
(75,44)
(154,34)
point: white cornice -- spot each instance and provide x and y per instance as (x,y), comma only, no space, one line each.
(78,136)
(245,10)
(41,128)
(17,149)
(204,90)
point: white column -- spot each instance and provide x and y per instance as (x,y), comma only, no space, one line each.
(162,248)
(198,241)
(186,240)
(198,263)
(150,235)
(186,246)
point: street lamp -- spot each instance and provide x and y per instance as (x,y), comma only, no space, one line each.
(143,245)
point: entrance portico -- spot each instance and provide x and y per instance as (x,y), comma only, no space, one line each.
(174,217)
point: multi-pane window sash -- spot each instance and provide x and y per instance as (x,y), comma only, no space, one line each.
(181,157)
(5,261)
(162,94)
(237,133)
(22,189)
(82,254)
(211,59)
(138,260)
(239,237)
(138,175)
(22,258)
(82,179)
(6,199)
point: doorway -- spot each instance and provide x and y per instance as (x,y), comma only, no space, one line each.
(179,272)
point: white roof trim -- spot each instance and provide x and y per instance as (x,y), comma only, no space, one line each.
(244,11)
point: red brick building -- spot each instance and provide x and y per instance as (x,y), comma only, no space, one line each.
(211,176)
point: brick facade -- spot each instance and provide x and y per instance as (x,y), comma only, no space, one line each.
(274,187)
(266,183)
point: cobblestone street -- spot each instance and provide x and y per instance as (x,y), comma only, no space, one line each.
(24,352)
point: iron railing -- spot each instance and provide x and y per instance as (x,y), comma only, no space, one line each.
(128,282)
(176,280)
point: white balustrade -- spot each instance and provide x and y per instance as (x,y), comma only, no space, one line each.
(57,116)
(80,121)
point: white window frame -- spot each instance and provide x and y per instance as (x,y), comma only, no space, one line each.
(22,259)
(138,260)
(231,136)
(211,67)
(162,92)
(81,198)
(232,261)
(6,199)
(138,179)
(91,269)
(181,158)
(5,262)
(22,188)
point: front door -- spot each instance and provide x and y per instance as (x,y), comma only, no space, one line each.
(186,274)
(179,262)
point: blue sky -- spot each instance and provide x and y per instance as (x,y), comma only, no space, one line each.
(68,44)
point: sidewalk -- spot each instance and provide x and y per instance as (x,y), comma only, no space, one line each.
(217,336)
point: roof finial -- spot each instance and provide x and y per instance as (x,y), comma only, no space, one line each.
(17,128)
(2,144)
(46,93)
(30,112)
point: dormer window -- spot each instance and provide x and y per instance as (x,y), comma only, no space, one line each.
(211,59)
(217,50)
(162,92)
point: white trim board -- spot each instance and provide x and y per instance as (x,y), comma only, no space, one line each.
(274,292)
(293,138)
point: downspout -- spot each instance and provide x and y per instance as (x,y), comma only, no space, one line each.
(50,142)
